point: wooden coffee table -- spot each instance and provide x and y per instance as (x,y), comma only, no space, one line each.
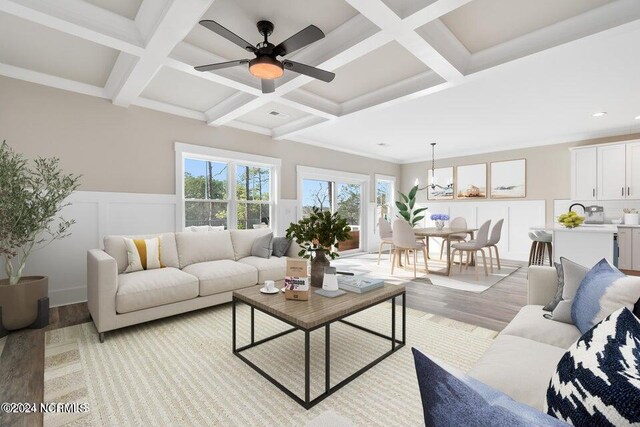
(307,316)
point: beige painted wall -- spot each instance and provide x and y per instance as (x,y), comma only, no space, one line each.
(132,149)
(548,170)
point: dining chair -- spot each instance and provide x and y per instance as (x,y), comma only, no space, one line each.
(471,248)
(386,236)
(457,222)
(404,240)
(494,238)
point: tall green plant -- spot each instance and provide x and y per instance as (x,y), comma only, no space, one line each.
(31,197)
(406,207)
(321,230)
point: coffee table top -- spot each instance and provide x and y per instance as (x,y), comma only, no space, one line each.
(318,310)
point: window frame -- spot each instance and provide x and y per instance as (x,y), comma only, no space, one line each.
(233,159)
(392,207)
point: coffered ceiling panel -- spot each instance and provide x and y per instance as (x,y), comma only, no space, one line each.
(288,17)
(386,65)
(126,8)
(35,47)
(404,8)
(481,24)
(185,90)
(265,117)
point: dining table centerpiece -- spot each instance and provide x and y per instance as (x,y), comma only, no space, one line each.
(439,220)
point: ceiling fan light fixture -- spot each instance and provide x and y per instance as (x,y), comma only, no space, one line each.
(265,67)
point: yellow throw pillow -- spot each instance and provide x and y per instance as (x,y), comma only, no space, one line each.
(143,254)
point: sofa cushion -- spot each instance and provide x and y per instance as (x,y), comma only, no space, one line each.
(519,367)
(262,246)
(151,288)
(281,246)
(243,241)
(451,398)
(273,268)
(116,248)
(530,323)
(604,290)
(597,381)
(222,275)
(204,246)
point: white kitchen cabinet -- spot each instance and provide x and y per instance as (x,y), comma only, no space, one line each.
(625,248)
(584,173)
(635,250)
(611,172)
(633,170)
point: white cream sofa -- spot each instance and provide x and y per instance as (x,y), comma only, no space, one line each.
(201,269)
(524,356)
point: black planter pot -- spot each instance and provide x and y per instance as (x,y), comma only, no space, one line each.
(318,263)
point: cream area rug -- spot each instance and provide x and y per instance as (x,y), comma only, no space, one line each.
(467,280)
(181,371)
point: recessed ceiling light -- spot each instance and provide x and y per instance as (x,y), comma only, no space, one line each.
(382,144)
(600,114)
(278,114)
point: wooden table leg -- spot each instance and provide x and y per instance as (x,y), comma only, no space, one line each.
(472,260)
(448,256)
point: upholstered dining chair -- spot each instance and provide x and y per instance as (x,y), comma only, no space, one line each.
(457,222)
(494,238)
(404,240)
(386,236)
(472,247)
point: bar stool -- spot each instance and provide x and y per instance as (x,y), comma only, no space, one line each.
(540,247)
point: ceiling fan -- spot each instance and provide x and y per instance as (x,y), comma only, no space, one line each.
(265,65)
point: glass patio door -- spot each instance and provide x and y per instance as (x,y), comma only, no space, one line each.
(335,196)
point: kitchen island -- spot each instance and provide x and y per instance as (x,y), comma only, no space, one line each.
(586,244)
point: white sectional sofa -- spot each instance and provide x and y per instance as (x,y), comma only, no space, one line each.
(524,356)
(201,269)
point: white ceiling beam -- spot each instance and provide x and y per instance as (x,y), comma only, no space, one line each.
(168,108)
(296,126)
(311,103)
(249,127)
(233,107)
(432,12)
(602,20)
(52,81)
(81,19)
(164,24)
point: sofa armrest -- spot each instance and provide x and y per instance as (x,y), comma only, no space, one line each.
(102,286)
(542,284)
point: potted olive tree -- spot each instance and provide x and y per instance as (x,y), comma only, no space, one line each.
(32,194)
(318,235)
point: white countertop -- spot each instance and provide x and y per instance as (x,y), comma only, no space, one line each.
(587,228)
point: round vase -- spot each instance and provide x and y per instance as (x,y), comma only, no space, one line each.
(318,263)
(20,302)
(439,224)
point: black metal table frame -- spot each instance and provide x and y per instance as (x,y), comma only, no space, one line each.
(307,402)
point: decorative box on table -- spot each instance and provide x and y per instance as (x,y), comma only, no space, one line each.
(296,281)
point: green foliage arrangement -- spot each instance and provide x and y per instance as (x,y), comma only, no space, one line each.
(571,219)
(31,198)
(320,231)
(406,207)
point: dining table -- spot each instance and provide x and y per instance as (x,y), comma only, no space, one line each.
(444,233)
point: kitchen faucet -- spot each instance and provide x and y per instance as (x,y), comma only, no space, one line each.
(578,204)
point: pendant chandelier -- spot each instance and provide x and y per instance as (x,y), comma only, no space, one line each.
(433,184)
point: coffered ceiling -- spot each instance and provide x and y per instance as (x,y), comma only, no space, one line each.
(458,72)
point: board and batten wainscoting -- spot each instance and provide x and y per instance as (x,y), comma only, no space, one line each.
(519,216)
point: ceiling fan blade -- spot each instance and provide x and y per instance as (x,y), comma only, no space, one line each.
(299,40)
(308,70)
(221,65)
(268,86)
(232,37)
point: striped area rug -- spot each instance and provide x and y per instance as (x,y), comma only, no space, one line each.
(180,370)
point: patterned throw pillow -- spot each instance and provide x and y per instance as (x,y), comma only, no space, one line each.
(558,297)
(573,274)
(450,398)
(597,381)
(603,290)
(142,254)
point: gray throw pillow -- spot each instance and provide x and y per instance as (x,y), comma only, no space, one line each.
(281,246)
(573,274)
(262,246)
(558,297)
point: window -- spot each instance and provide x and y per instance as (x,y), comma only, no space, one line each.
(385,201)
(205,193)
(224,188)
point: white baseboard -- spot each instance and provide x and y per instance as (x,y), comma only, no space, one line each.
(67,296)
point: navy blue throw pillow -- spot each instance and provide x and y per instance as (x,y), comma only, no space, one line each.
(597,381)
(455,399)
